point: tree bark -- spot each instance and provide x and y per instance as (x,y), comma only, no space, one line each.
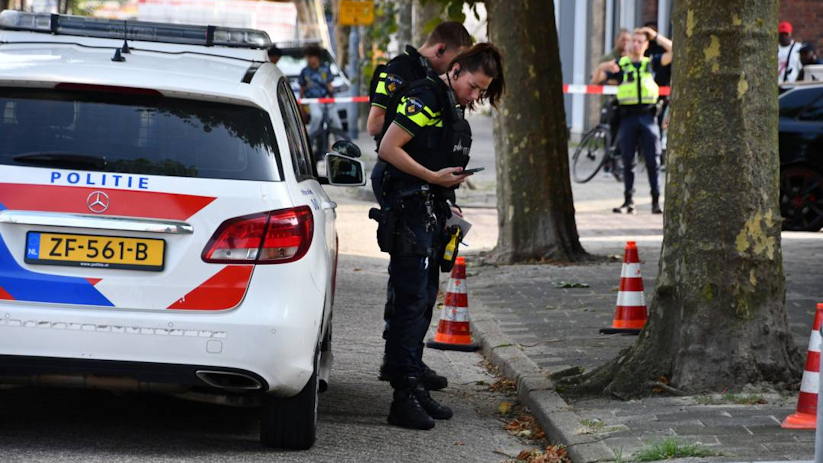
(404,24)
(534,197)
(421,16)
(717,320)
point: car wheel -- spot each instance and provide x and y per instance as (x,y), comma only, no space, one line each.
(291,423)
(801,199)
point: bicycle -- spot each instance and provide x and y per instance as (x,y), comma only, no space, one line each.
(597,149)
(319,139)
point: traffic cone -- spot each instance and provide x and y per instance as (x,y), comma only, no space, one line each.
(806,416)
(453,331)
(630,312)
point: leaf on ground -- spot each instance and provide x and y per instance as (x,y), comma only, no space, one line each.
(552,454)
(357,269)
(503,385)
(504,408)
(570,284)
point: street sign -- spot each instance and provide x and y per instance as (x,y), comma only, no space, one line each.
(356,13)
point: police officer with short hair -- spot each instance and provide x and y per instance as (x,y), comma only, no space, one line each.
(637,94)
(426,145)
(444,43)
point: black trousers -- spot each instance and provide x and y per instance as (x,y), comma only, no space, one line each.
(415,278)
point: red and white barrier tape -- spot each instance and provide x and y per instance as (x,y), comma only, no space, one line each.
(567,88)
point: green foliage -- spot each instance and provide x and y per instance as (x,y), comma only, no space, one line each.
(671,448)
(451,10)
(379,33)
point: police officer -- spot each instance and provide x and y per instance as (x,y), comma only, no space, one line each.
(426,144)
(637,96)
(443,44)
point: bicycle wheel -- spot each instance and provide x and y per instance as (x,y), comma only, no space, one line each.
(589,156)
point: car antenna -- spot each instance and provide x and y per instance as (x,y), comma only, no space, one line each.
(118,57)
(118,52)
(126,50)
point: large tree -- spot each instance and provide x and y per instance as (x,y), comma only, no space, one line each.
(718,318)
(534,197)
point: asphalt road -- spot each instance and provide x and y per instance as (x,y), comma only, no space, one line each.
(43,425)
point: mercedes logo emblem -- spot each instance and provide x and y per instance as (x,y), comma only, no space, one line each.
(98,202)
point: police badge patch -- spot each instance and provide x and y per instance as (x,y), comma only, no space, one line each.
(413,106)
(392,82)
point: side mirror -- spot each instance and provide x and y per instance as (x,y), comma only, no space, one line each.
(344,171)
(346,148)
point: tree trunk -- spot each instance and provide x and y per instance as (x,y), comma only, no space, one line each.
(534,197)
(718,320)
(422,15)
(341,39)
(404,24)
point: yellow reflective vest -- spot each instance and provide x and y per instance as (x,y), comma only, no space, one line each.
(638,86)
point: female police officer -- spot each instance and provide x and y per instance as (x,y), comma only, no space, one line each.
(426,145)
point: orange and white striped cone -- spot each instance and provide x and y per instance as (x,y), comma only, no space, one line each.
(454,330)
(630,313)
(806,416)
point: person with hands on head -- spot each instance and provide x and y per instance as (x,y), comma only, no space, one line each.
(637,95)
(426,145)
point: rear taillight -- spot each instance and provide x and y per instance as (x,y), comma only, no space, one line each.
(275,237)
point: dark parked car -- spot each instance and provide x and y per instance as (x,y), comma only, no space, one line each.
(801,158)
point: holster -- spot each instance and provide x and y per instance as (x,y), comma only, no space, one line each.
(388,221)
(393,236)
(446,265)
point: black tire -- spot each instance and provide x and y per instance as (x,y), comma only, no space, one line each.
(291,423)
(590,155)
(801,199)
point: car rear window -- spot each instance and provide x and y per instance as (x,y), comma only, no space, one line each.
(139,134)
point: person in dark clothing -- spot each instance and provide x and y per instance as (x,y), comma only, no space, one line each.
(426,145)
(443,44)
(637,94)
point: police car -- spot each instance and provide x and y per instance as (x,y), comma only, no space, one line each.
(162,222)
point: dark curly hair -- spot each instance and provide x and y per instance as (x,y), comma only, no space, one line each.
(487,58)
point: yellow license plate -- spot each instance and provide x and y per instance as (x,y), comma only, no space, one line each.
(95,251)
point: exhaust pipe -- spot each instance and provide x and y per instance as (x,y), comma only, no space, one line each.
(229,381)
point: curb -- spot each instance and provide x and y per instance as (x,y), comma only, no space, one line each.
(536,391)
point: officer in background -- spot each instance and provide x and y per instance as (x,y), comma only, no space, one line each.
(443,44)
(426,143)
(637,95)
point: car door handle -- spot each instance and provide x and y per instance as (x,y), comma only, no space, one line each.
(326,205)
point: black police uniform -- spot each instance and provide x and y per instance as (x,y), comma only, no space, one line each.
(404,68)
(441,138)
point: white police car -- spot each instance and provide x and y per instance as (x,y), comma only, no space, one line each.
(162,223)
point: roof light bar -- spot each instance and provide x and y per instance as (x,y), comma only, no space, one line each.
(133,30)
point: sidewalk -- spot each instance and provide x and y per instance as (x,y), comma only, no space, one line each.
(534,328)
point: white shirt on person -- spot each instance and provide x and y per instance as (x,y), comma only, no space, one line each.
(788,67)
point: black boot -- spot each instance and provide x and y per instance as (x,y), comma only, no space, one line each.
(656,204)
(432,381)
(628,204)
(384,370)
(406,411)
(434,409)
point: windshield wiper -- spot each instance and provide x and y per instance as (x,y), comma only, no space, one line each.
(62,159)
